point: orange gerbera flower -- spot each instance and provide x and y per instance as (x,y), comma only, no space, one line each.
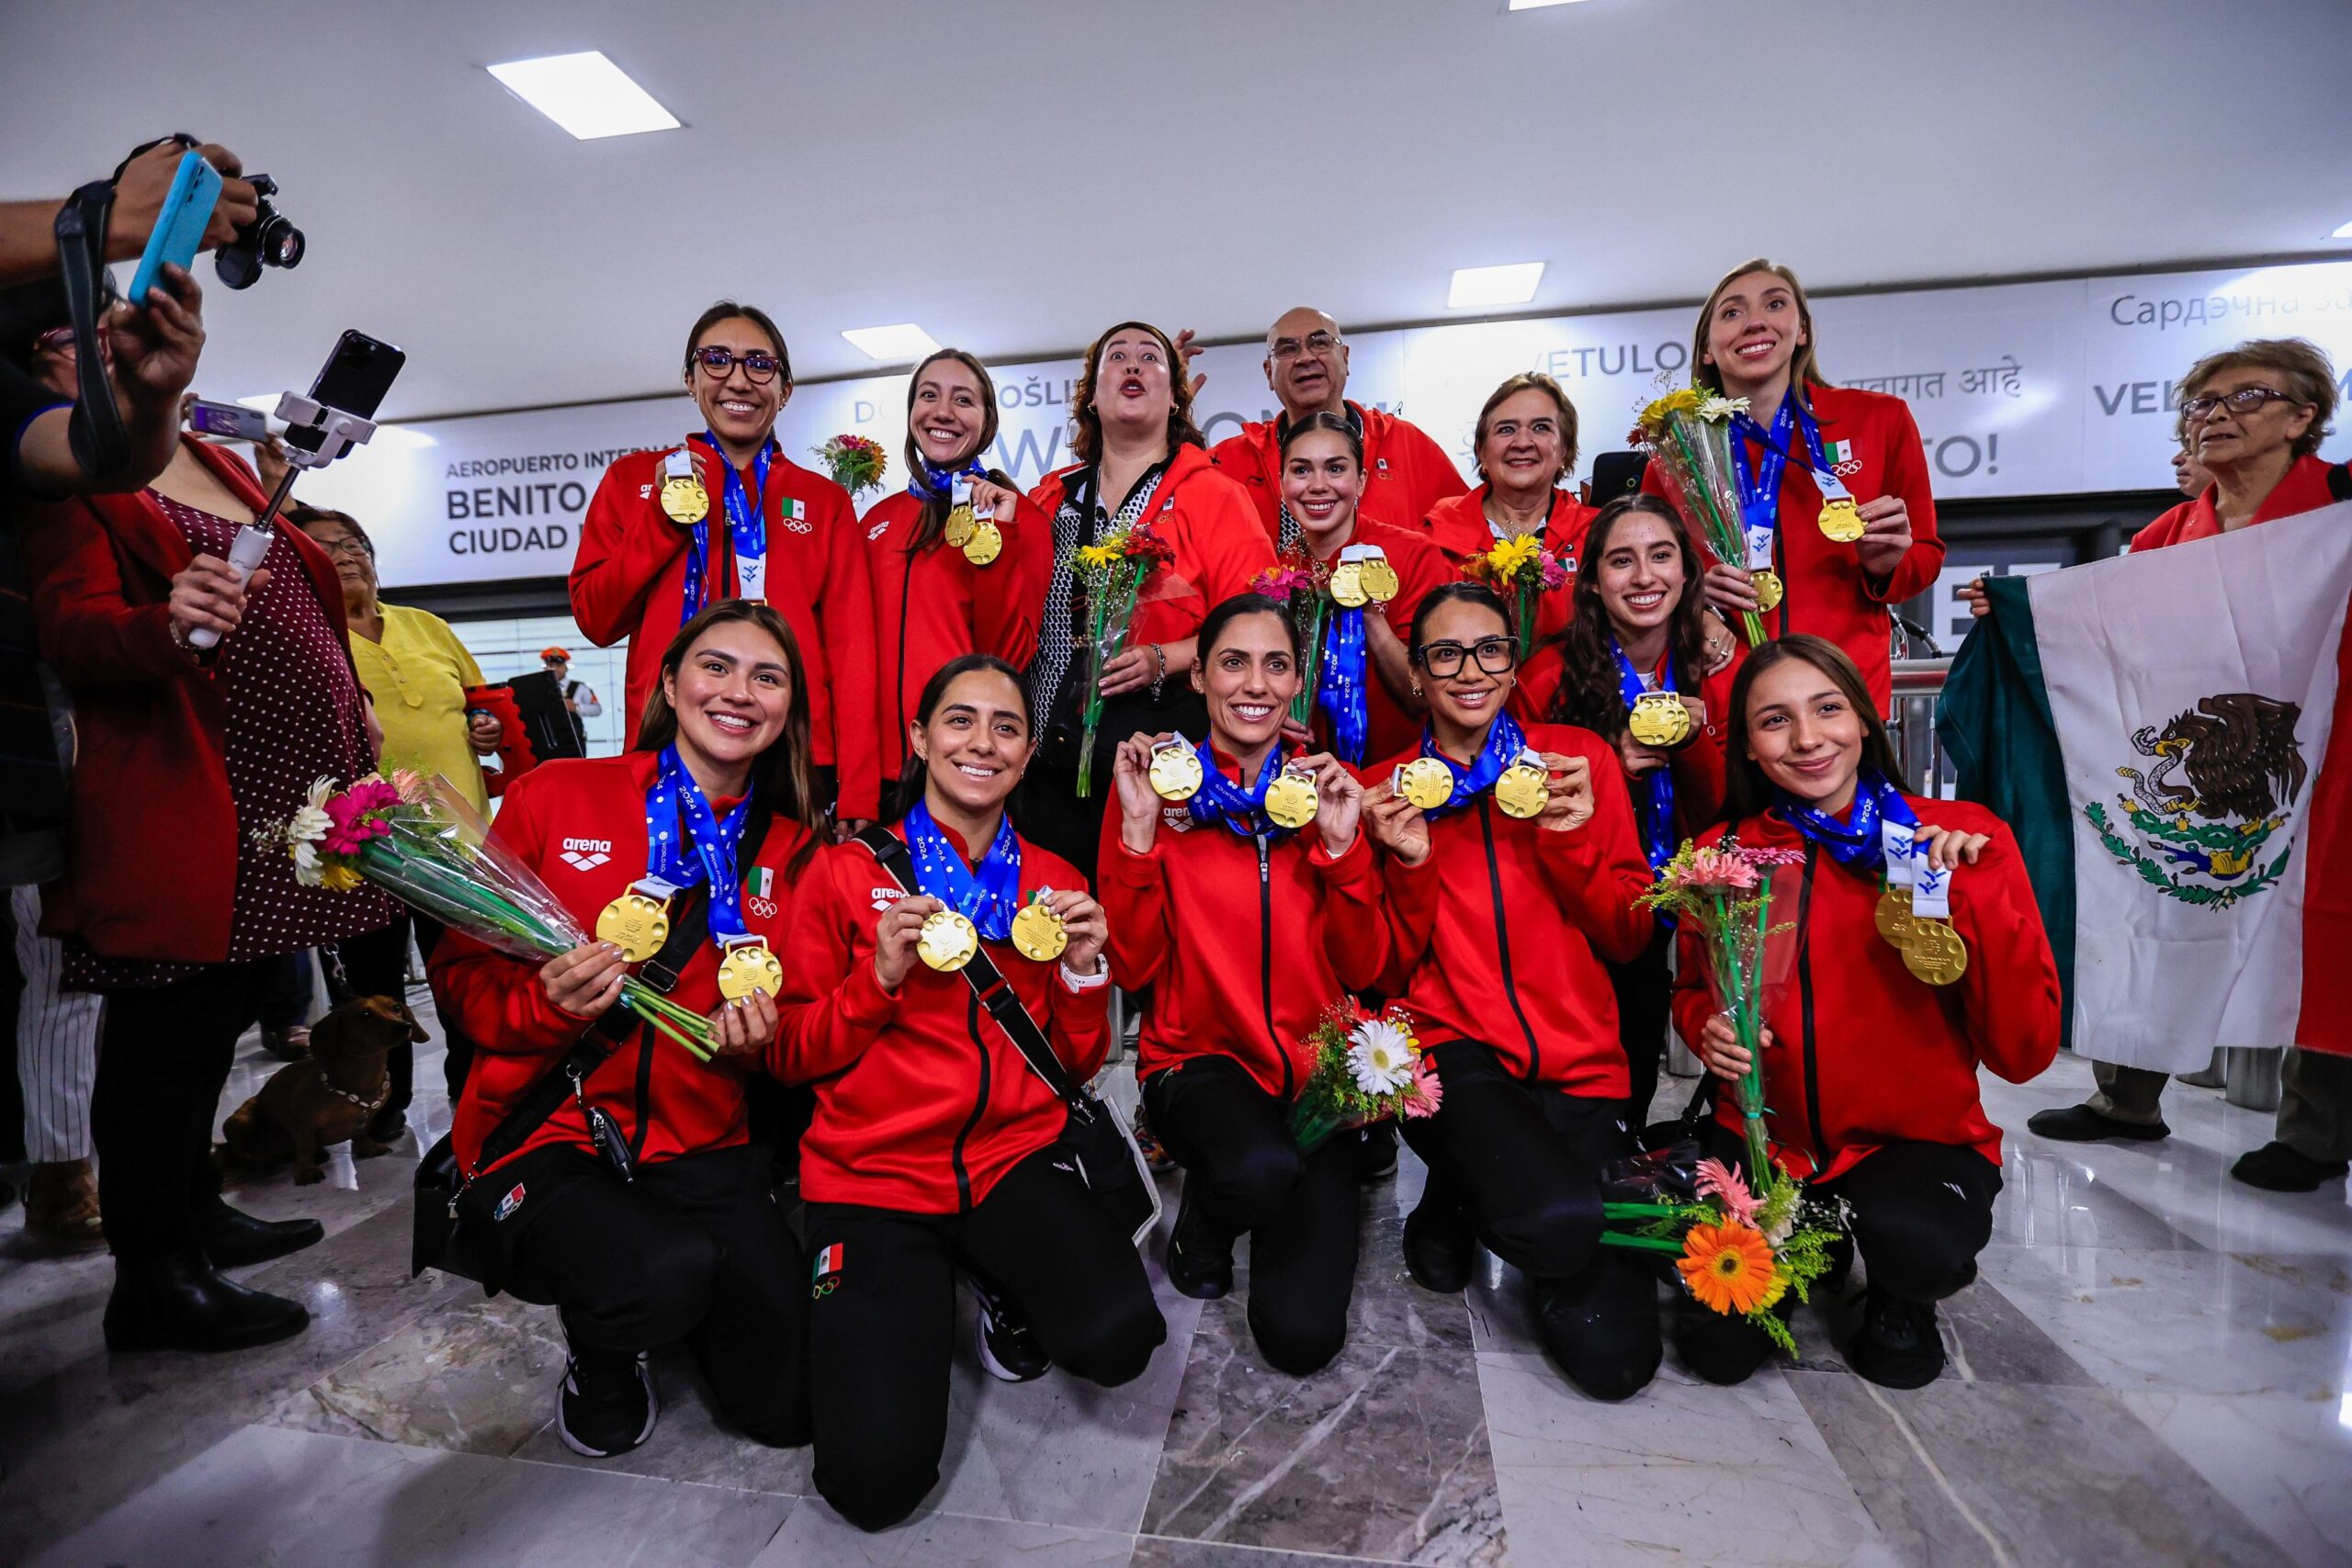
(1728,1268)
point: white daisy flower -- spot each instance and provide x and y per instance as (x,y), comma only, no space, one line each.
(310,822)
(307,868)
(1380,1056)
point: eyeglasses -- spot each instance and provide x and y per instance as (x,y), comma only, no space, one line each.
(355,548)
(759,365)
(1496,655)
(2243,402)
(1287,348)
(59,340)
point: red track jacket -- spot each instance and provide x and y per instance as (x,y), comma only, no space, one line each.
(1459,528)
(1206,519)
(1245,941)
(937,606)
(1826,593)
(2303,488)
(629,580)
(1864,1053)
(581,825)
(1420,566)
(1405,472)
(1502,929)
(922,1101)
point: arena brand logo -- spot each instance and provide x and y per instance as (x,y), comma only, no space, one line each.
(878,530)
(587,854)
(1177,818)
(885,896)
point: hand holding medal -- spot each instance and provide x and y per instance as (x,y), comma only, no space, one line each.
(685,500)
(744,1024)
(898,933)
(1395,824)
(1570,802)
(1175,769)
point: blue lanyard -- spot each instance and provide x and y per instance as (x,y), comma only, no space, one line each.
(1760,491)
(1659,832)
(1857,842)
(1504,742)
(934,481)
(715,843)
(1340,689)
(746,527)
(989,898)
(1219,799)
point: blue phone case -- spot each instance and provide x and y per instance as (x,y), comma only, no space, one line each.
(179,227)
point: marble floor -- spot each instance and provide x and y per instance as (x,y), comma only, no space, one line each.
(2154,1369)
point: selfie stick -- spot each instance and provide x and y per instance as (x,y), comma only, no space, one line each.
(338,433)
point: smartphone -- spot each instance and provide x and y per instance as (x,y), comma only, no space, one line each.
(232,420)
(179,227)
(357,376)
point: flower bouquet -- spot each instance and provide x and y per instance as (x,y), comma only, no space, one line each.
(1366,1067)
(1687,434)
(1298,581)
(1521,570)
(858,462)
(1112,570)
(420,840)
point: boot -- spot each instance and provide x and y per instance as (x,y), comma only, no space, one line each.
(61,1204)
(1440,1246)
(1199,1257)
(1897,1345)
(233,1239)
(180,1303)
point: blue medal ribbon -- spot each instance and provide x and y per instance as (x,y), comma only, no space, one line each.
(1340,689)
(1657,834)
(746,525)
(711,848)
(1854,843)
(989,897)
(935,480)
(1219,799)
(1759,491)
(1504,742)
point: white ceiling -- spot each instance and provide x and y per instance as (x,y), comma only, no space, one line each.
(1014,176)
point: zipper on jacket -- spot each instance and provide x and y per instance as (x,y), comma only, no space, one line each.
(1502,941)
(644,1093)
(899,676)
(980,1104)
(1266,963)
(1805,1005)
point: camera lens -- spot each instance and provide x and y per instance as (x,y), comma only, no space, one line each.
(281,243)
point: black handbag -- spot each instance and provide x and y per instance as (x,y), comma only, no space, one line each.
(453,1223)
(1095,1137)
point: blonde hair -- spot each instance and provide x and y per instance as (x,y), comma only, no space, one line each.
(1804,369)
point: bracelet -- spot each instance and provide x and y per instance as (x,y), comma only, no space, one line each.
(1082,983)
(1159,668)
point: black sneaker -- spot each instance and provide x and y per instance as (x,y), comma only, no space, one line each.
(1376,1152)
(389,1125)
(1200,1260)
(606,1405)
(2275,1167)
(2081,1124)
(1009,1348)
(1440,1247)
(1897,1345)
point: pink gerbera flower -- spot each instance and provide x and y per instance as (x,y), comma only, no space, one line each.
(1726,1187)
(349,824)
(1719,868)
(1423,1096)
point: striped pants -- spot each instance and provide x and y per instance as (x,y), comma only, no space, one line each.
(57,1042)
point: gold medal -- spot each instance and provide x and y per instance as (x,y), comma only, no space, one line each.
(1039,934)
(1841,519)
(1291,800)
(1347,586)
(684,499)
(1175,770)
(1658,719)
(1769,591)
(1524,789)
(1426,782)
(1935,952)
(960,524)
(638,923)
(1894,919)
(1379,578)
(748,969)
(983,544)
(948,941)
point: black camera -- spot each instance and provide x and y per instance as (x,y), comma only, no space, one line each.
(268,241)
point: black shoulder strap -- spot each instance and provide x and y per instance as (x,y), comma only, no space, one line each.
(987,982)
(95,432)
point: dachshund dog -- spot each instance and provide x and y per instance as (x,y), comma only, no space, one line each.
(313,1105)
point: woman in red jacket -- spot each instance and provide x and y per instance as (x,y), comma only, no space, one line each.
(727,516)
(934,1143)
(1870,1070)
(958,558)
(1526,448)
(1834,483)
(1513,869)
(1246,927)
(1637,665)
(1364,701)
(638,1207)
(1141,461)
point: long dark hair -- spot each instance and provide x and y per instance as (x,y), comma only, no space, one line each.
(915,770)
(781,779)
(1591,692)
(1229,611)
(1748,792)
(933,522)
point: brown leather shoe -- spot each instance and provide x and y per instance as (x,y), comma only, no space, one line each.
(61,1204)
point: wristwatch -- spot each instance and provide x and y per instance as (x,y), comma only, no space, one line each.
(1078,982)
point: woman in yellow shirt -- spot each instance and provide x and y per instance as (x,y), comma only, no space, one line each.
(415,672)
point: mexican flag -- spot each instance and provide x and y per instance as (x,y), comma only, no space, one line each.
(2156,730)
(1837,452)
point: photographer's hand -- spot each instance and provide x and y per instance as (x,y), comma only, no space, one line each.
(147,179)
(151,352)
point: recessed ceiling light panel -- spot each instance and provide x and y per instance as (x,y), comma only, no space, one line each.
(586,94)
(1477,287)
(900,345)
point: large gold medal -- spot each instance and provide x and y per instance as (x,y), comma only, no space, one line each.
(959,526)
(684,499)
(1895,922)
(1426,782)
(983,544)
(1347,586)
(1525,787)
(1379,578)
(1175,770)
(1292,799)
(1769,589)
(948,941)
(749,969)
(1039,934)
(1935,952)
(1658,719)
(1841,519)
(637,924)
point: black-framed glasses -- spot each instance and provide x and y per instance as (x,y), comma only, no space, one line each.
(2243,402)
(1318,343)
(759,365)
(1496,655)
(355,548)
